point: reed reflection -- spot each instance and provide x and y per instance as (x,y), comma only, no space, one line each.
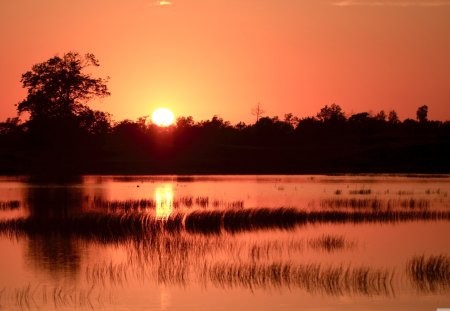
(164,201)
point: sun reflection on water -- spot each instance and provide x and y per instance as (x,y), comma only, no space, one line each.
(164,201)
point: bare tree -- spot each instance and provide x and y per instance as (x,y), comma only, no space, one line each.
(258,111)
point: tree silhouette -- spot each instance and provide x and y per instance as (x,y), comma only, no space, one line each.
(381,116)
(332,113)
(422,114)
(393,117)
(58,87)
(185,122)
(258,111)
(64,137)
(291,119)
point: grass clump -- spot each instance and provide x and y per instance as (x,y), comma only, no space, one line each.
(330,243)
(430,273)
(361,191)
(122,225)
(332,280)
(9,205)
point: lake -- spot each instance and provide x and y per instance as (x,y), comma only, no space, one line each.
(363,242)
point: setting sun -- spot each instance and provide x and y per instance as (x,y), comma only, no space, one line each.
(163,117)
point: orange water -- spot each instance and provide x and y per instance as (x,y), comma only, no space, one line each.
(178,271)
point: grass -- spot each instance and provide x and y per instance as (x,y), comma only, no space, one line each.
(430,274)
(9,205)
(58,297)
(361,191)
(374,203)
(335,280)
(143,204)
(106,274)
(330,243)
(240,220)
(126,205)
(118,226)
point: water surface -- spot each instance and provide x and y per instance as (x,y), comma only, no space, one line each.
(52,260)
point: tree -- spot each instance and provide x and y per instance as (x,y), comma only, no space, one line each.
(332,113)
(257,111)
(393,117)
(361,117)
(216,122)
(185,122)
(95,122)
(9,126)
(291,119)
(422,114)
(58,88)
(381,116)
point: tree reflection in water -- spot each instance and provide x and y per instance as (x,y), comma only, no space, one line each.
(47,203)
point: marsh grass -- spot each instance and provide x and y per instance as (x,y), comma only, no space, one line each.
(361,191)
(314,278)
(145,204)
(9,205)
(56,297)
(240,220)
(437,191)
(334,279)
(195,249)
(374,203)
(106,274)
(430,274)
(126,205)
(330,243)
(120,226)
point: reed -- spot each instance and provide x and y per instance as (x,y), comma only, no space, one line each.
(335,280)
(125,205)
(119,226)
(361,191)
(9,205)
(107,274)
(55,297)
(374,203)
(202,201)
(330,243)
(430,274)
(143,204)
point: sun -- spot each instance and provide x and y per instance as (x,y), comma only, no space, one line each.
(163,117)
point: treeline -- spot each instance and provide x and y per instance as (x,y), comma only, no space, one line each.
(330,142)
(63,136)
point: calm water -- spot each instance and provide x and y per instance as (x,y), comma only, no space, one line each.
(384,264)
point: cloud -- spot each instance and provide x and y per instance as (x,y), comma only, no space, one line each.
(160,3)
(393,3)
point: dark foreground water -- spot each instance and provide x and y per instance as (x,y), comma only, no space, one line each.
(225,243)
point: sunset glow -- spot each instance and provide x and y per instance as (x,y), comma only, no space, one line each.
(236,155)
(164,201)
(163,117)
(222,57)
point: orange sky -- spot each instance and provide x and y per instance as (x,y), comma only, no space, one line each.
(207,57)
